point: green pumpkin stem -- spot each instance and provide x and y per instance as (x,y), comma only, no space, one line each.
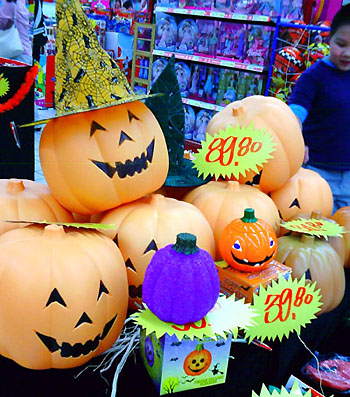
(249,216)
(186,244)
(199,347)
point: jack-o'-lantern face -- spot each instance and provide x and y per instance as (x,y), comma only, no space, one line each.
(99,159)
(71,300)
(149,351)
(198,361)
(248,246)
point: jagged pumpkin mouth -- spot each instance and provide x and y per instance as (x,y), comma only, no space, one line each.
(253,264)
(129,167)
(78,349)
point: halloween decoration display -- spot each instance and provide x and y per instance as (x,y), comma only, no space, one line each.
(274,116)
(122,156)
(306,191)
(198,361)
(337,242)
(181,282)
(28,200)
(317,261)
(248,244)
(148,224)
(342,217)
(71,296)
(221,202)
(149,351)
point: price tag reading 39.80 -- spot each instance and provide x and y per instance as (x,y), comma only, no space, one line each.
(284,307)
(234,151)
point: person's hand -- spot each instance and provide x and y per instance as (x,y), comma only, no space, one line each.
(306,155)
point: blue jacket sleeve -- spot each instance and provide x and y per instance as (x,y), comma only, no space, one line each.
(305,90)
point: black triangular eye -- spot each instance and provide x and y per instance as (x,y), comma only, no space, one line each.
(295,203)
(102,290)
(152,246)
(94,127)
(308,274)
(279,213)
(55,297)
(124,137)
(116,240)
(83,319)
(132,116)
(129,264)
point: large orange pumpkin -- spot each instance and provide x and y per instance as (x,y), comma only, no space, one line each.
(100,159)
(151,223)
(28,200)
(306,191)
(319,262)
(63,296)
(221,202)
(342,217)
(248,244)
(274,116)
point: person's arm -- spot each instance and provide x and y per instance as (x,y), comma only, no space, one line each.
(6,15)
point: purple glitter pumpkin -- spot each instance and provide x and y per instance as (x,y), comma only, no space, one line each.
(181,282)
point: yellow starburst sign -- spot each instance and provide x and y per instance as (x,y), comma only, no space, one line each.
(4,85)
(234,151)
(316,227)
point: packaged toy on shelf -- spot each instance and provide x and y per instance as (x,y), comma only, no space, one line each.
(204,4)
(258,45)
(269,8)
(210,88)
(202,119)
(292,9)
(227,88)
(168,3)
(253,84)
(166,32)
(208,37)
(243,6)
(183,74)
(190,119)
(194,86)
(203,72)
(187,35)
(227,40)
(157,68)
(222,5)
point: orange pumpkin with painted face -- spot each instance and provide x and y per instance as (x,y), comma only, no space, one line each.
(198,361)
(97,160)
(248,244)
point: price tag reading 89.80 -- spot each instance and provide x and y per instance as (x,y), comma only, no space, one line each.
(284,307)
(233,152)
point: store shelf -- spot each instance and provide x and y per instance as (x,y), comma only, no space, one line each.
(202,105)
(211,61)
(214,14)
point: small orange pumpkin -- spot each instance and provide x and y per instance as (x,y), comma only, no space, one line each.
(220,202)
(276,117)
(248,244)
(342,217)
(198,361)
(306,191)
(97,160)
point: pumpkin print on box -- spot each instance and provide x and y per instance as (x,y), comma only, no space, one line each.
(100,159)
(342,217)
(28,200)
(317,261)
(148,224)
(198,361)
(71,296)
(275,117)
(221,202)
(149,351)
(306,191)
(248,244)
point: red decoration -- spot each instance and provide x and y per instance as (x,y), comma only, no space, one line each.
(22,91)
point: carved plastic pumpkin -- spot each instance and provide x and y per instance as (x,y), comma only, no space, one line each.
(337,242)
(274,116)
(306,191)
(221,202)
(342,217)
(248,244)
(198,361)
(100,159)
(28,200)
(151,223)
(319,262)
(63,296)
(181,283)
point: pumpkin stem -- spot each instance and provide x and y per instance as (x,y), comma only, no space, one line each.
(233,186)
(237,111)
(199,347)
(249,216)
(54,231)
(14,186)
(156,200)
(307,239)
(186,244)
(316,215)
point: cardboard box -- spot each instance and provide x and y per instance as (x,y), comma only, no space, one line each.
(302,386)
(243,284)
(175,366)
